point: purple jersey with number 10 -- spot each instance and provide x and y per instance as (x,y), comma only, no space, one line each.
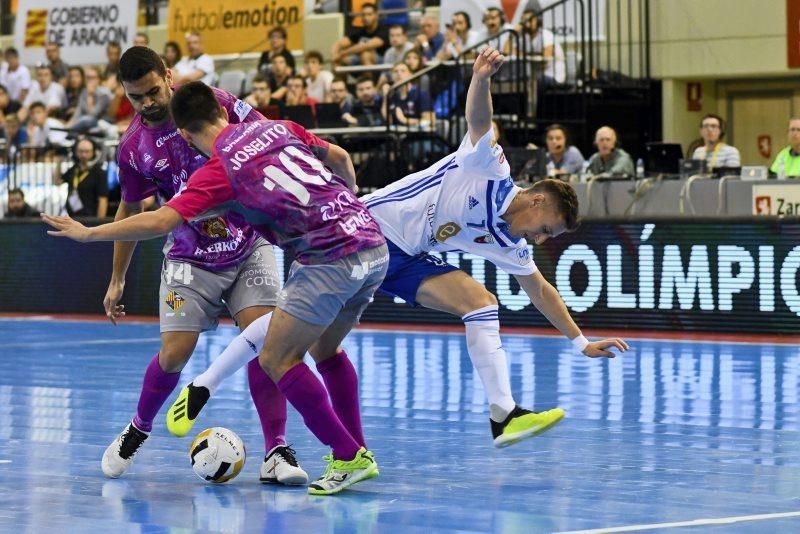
(268,171)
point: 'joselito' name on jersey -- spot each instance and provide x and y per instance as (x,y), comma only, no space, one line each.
(455,204)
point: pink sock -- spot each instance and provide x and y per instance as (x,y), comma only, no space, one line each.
(270,405)
(156,389)
(341,381)
(308,396)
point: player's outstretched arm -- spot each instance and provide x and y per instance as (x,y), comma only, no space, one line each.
(340,163)
(479,99)
(142,226)
(547,300)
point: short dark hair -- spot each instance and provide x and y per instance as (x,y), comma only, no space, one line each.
(564,198)
(114,44)
(719,119)
(393,26)
(16,191)
(557,126)
(259,78)
(138,61)
(364,78)
(369,5)
(466,18)
(339,79)
(47,67)
(280,30)
(194,106)
(12,51)
(297,77)
(315,54)
(37,104)
(498,11)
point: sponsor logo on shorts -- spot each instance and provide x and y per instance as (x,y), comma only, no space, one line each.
(216,228)
(361,271)
(174,301)
(485,239)
(446,231)
(260,277)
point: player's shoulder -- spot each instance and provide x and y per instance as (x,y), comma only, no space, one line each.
(133,134)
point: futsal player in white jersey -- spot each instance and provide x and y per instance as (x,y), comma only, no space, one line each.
(467,201)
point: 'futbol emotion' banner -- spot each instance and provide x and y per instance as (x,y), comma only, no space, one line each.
(235,27)
(670,275)
(82,29)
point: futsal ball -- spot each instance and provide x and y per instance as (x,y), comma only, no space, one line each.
(217,454)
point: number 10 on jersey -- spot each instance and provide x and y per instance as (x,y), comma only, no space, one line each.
(294,184)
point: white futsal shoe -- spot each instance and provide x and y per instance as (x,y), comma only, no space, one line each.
(280,467)
(119,455)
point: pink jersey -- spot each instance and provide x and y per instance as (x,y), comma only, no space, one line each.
(157,161)
(269,171)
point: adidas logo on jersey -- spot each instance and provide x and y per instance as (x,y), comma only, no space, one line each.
(472,202)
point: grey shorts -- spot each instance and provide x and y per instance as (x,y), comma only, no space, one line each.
(191,299)
(319,294)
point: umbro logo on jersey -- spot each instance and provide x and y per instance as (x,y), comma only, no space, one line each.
(473,202)
(484,239)
(162,164)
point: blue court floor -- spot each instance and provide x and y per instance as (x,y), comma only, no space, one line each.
(664,435)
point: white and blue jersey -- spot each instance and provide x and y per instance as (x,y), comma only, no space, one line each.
(455,204)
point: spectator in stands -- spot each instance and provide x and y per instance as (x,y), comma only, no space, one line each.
(277,47)
(296,94)
(541,41)
(367,108)
(494,22)
(340,95)
(15,76)
(7,106)
(399,45)
(260,98)
(93,103)
(17,207)
(87,182)
(430,39)
(15,135)
(60,69)
(609,159)
(458,36)
(44,131)
(113,53)
(714,152)
(365,45)
(141,39)
(45,90)
(562,159)
(408,105)
(76,81)
(318,81)
(172,54)
(787,162)
(413,59)
(278,77)
(120,110)
(197,65)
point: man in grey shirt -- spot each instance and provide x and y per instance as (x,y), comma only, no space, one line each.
(609,159)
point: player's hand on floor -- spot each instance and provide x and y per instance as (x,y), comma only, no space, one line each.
(487,63)
(599,349)
(66,227)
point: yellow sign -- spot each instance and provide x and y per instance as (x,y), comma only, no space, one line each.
(236,27)
(35,27)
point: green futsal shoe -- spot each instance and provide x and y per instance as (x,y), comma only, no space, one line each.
(341,474)
(184,411)
(522,424)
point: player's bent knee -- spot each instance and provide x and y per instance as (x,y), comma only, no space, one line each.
(480,299)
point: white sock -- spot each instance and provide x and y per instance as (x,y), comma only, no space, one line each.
(241,350)
(489,358)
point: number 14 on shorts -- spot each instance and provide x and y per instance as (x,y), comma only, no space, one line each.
(179,272)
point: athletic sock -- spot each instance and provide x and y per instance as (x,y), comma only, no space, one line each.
(489,359)
(308,396)
(236,355)
(341,381)
(270,405)
(156,388)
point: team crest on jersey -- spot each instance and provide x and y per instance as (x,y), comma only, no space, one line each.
(174,301)
(486,239)
(472,202)
(446,231)
(216,228)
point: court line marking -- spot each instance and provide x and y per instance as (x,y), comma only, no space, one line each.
(46,344)
(5,461)
(692,523)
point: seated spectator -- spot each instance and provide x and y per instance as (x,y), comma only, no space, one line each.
(15,135)
(120,110)
(340,95)
(714,152)
(7,106)
(538,40)
(141,39)
(17,207)
(260,98)
(56,64)
(609,158)
(458,36)
(414,60)
(318,81)
(365,45)
(93,103)
(113,53)
(398,45)
(367,108)
(197,65)
(430,39)
(408,105)
(787,162)
(45,90)
(494,22)
(279,74)
(15,76)
(296,93)
(172,54)
(87,182)
(563,159)
(76,81)
(44,131)
(277,47)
